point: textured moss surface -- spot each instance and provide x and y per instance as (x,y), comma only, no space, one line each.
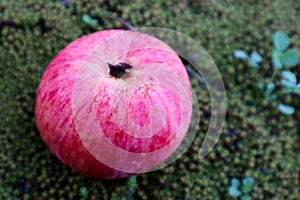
(256,141)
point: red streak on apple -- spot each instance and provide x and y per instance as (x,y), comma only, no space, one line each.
(112,127)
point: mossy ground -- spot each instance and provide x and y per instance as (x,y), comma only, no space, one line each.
(256,140)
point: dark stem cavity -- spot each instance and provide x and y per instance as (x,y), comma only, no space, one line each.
(119,70)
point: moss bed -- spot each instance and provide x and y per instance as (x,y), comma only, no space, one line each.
(256,141)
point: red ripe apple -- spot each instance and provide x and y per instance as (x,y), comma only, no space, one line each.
(114,103)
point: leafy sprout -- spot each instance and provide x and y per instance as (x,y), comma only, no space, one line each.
(283,59)
(241,188)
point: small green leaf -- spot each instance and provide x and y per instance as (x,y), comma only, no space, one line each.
(285,109)
(276,59)
(234,192)
(289,58)
(281,41)
(286,83)
(249,181)
(256,57)
(89,20)
(245,197)
(289,76)
(239,54)
(235,182)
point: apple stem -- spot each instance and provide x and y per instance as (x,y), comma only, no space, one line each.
(119,70)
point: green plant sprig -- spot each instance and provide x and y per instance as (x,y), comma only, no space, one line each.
(283,59)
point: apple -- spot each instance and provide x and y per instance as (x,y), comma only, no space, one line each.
(114,103)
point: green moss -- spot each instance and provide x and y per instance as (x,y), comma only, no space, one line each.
(256,141)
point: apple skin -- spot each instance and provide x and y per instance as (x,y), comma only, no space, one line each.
(70,133)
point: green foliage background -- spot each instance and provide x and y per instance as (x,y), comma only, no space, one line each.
(256,141)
